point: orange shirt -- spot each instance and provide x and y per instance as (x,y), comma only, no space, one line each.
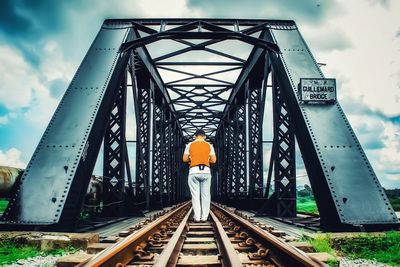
(200,152)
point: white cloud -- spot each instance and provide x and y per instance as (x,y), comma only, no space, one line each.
(25,90)
(11,158)
(17,79)
(4,119)
(381,142)
(54,65)
(172,8)
(369,69)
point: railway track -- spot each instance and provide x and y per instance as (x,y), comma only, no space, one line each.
(226,239)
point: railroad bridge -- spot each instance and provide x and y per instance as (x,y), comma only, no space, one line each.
(178,75)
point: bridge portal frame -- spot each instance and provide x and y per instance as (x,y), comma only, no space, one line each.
(67,152)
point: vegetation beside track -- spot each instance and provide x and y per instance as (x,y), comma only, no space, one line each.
(11,252)
(307,205)
(306,202)
(3,204)
(383,247)
(394,198)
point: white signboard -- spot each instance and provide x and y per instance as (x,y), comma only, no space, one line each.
(317,90)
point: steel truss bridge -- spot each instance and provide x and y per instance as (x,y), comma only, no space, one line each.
(185,74)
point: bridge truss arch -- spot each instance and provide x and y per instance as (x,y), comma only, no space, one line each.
(185,74)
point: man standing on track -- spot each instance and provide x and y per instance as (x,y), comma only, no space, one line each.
(200,154)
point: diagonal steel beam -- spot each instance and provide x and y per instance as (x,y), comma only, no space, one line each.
(244,75)
(149,64)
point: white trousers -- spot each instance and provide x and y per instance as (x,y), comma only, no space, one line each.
(199,184)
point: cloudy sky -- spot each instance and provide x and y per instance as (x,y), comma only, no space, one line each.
(42,43)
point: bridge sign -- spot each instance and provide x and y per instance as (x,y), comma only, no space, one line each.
(317,90)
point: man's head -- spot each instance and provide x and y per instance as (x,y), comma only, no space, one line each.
(200,134)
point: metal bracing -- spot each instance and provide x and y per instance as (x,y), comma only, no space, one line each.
(255,96)
(198,98)
(158,163)
(220,144)
(143,93)
(239,176)
(114,156)
(284,156)
(226,160)
(166,177)
(231,157)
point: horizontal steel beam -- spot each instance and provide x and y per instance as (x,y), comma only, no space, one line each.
(176,63)
(173,34)
(176,21)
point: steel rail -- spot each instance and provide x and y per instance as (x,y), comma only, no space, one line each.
(170,254)
(121,254)
(276,245)
(229,255)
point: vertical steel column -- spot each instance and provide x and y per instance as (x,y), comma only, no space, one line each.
(220,161)
(114,156)
(143,96)
(249,181)
(224,159)
(285,161)
(181,175)
(166,159)
(255,109)
(158,162)
(230,159)
(240,152)
(149,188)
(226,154)
(172,163)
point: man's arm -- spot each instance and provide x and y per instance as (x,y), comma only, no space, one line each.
(213,158)
(186,154)
(185,158)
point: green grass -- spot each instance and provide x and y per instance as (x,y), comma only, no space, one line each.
(385,248)
(307,204)
(333,263)
(3,205)
(322,243)
(11,252)
(395,201)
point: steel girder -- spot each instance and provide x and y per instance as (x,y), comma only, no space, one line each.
(144,98)
(158,164)
(239,140)
(114,156)
(144,33)
(59,171)
(167,178)
(159,148)
(284,156)
(255,96)
(347,191)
